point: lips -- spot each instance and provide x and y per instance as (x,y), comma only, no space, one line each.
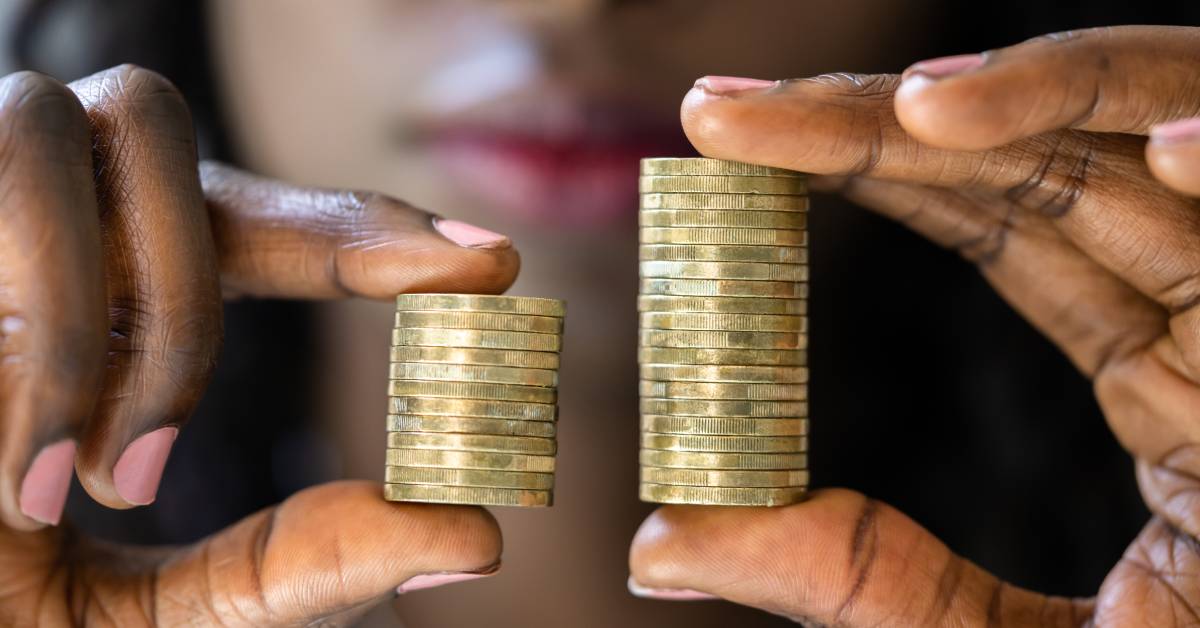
(583,175)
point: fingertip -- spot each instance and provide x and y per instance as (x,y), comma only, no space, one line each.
(947,114)
(43,492)
(1173,155)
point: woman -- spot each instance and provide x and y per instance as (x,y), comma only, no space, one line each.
(268,240)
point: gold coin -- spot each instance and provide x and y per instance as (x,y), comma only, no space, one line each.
(724,339)
(722,235)
(738,479)
(724,322)
(722,426)
(720,305)
(472,495)
(534,306)
(469,425)
(691,200)
(473,407)
(481,320)
(745,219)
(744,271)
(723,185)
(724,288)
(472,390)
(705,407)
(469,477)
(725,373)
(470,460)
(723,444)
(723,496)
(483,339)
(479,357)
(473,442)
(689,166)
(474,373)
(702,460)
(729,357)
(721,253)
(725,390)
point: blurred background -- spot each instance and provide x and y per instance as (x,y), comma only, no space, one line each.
(527,117)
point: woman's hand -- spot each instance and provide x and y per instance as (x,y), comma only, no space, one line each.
(1032,161)
(115,249)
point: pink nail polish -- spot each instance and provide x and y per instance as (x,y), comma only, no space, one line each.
(673,595)
(1186,130)
(44,489)
(431,580)
(139,469)
(470,236)
(723,85)
(943,67)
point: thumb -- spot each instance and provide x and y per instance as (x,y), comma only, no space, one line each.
(279,240)
(329,552)
(839,559)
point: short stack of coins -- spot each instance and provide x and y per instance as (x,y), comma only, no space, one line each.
(723,333)
(472,404)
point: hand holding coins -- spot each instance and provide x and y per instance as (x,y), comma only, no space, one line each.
(724,394)
(472,399)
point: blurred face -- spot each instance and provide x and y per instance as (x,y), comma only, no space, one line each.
(526,117)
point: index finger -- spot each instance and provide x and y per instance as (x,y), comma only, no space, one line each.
(1118,80)
(283,241)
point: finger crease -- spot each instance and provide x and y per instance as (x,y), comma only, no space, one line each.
(1162,579)
(863,551)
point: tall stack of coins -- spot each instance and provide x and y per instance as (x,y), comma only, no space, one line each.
(722,353)
(472,399)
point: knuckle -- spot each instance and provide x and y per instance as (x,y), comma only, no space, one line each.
(131,91)
(1057,177)
(30,101)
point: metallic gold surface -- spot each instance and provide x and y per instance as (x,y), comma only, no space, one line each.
(722,305)
(702,460)
(698,407)
(722,184)
(724,288)
(480,320)
(744,271)
(472,390)
(708,339)
(724,322)
(469,425)
(535,306)
(722,253)
(724,373)
(690,166)
(473,442)
(473,495)
(470,460)
(739,479)
(668,494)
(469,477)
(747,219)
(730,444)
(721,426)
(701,200)
(474,373)
(483,339)
(735,357)
(728,236)
(724,390)
(473,407)
(477,357)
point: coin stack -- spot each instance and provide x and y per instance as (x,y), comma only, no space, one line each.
(472,399)
(722,353)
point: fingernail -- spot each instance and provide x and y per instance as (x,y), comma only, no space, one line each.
(674,595)
(470,236)
(943,67)
(1186,130)
(723,85)
(44,489)
(431,580)
(139,469)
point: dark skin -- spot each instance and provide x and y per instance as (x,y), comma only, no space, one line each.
(1036,167)
(118,248)
(116,241)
